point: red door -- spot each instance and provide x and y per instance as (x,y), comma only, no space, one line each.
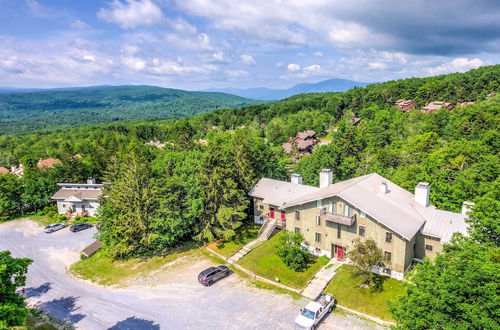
(340,253)
(283,215)
(271,213)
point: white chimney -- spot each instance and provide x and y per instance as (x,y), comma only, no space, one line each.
(383,187)
(90,181)
(296,178)
(422,191)
(467,207)
(325,178)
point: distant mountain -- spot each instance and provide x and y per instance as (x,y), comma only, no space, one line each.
(28,110)
(263,93)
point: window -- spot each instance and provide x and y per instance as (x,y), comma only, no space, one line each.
(428,247)
(319,203)
(297,229)
(317,237)
(361,230)
(318,220)
(388,237)
(347,210)
(332,207)
(338,230)
(362,214)
(387,256)
(297,215)
(261,207)
(387,271)
(64,205)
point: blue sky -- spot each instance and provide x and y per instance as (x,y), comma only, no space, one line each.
(198,44)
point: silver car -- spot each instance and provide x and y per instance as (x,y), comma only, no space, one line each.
(54,227)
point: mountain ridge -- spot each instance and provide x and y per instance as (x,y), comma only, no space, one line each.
(270,94)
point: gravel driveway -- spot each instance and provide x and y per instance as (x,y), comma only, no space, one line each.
(177,302)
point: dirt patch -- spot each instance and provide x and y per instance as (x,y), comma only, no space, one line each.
(63,255)
(173,271)
(25,226)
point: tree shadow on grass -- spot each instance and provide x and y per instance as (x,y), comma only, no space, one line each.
(63,309)
(133,323)
(38,292)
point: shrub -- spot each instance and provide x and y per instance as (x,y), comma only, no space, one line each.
(291,253)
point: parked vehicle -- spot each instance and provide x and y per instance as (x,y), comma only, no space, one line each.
(54,227)
(314,312)
(212,274)
(80,226)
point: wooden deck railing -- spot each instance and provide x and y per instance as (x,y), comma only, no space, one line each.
(337,218)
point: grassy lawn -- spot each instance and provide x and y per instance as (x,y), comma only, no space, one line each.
(345,289)
(245,235)
(102,270)
(265,262)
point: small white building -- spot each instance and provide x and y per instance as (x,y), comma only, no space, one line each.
(79,198)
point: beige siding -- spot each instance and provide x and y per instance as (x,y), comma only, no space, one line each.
(401,250)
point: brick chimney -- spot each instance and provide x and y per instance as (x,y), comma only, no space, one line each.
(325,178)
(422,191)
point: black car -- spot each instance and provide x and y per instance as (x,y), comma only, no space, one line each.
(212,274)
(80,226)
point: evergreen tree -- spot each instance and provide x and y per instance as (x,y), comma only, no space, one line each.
(129,207)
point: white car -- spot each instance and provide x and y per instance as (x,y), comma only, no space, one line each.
(314,312)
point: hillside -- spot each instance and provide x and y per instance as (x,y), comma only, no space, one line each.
(25,111)
(263,93)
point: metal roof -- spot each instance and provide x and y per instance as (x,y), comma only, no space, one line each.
(442,224)
(395,209)
(276,192)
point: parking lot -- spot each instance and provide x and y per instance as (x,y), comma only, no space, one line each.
(175,302)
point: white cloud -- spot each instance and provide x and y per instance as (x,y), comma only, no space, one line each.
(247,59)
(132,13)
(79,25)
(312,69)
(457,65)
(134,63)
(318,54)
(218,57)
(377,65)
(293,67)
(38,10)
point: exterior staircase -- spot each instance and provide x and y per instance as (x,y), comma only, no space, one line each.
(265,232)
(267,229)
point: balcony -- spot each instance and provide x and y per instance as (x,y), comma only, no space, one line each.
(337,218)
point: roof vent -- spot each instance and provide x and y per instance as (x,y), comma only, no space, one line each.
(90,181)
(383,187)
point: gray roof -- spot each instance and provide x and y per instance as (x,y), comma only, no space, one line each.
(442,224)
(92,248)
(276,192)
(394,209)
(79,194)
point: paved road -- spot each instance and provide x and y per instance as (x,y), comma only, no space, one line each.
(180,303)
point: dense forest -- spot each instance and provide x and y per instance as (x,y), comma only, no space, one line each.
(160,198)
(48,109)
